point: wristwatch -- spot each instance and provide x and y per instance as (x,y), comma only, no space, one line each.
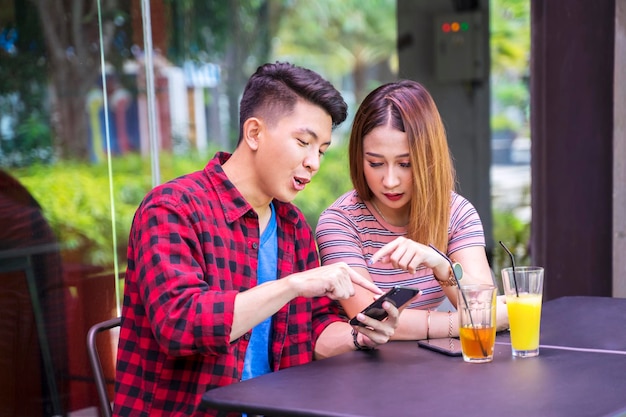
(456,270)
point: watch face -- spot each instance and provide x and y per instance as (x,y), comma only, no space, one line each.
(457,269)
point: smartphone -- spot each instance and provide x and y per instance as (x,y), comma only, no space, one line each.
(447,345)
(398,296)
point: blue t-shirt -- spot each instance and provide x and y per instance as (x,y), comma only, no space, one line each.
(257,361)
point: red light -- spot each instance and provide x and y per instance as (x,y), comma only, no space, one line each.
(445,27)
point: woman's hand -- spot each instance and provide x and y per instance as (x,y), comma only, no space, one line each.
(336,281)
(408,255)
(377,332)
(502,314)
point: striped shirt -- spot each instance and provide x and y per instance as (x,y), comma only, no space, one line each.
(349,231)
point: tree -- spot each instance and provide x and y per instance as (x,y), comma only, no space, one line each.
(235,34)
(336,38)
(340,38)
(73,46)
(24,136)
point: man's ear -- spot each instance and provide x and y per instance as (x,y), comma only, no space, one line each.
(252,129)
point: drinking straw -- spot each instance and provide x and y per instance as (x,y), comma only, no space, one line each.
(513,265)
(474,329)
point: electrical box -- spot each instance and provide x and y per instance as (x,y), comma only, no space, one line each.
(460,47)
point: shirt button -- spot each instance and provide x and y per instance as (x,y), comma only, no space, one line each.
(246,336)
(255,245)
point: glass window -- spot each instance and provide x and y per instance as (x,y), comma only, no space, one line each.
(99,102)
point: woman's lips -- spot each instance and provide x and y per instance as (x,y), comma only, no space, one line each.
(393,197)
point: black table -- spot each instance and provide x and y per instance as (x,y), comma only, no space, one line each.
(401,379)
(584,322)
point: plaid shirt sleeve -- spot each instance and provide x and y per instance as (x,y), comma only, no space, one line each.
(187,316)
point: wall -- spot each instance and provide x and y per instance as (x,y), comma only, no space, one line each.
(464,105)
(572,94)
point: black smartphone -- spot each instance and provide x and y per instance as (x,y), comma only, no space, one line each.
(398,296)
(450,346)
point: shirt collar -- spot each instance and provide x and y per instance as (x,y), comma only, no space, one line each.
(232,202)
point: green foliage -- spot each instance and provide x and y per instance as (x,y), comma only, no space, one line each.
(510,36)
(200,30)
(512,94)
(500,122)
(76,200)
(339,38)
(510,57)
(25,136)
(515,234)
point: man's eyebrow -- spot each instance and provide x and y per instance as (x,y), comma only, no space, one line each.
(310,132)
(307,131)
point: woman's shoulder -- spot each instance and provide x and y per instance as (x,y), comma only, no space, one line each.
(348,207)
(347,202)
(459,203)
(349,198)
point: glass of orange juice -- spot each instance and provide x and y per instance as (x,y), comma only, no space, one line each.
(477,322)
(524,291)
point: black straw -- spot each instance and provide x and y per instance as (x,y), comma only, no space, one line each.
(513,265)
(482,348)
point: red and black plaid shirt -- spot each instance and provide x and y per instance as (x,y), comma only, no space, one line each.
(193,246)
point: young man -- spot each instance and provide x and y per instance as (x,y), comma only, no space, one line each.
(218,252)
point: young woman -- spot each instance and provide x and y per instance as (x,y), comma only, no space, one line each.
(403,201)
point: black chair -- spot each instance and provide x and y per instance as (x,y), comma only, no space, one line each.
(96,366)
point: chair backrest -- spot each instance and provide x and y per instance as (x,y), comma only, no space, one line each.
(96,366)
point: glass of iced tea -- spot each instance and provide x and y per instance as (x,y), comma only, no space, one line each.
(523,287)
(477,322)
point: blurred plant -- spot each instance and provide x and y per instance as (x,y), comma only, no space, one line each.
(350,37)
(510,37)
(500,123)
(510,58)
(76,203)
(515,234)
(25,136)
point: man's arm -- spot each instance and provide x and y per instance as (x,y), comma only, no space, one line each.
(335,281)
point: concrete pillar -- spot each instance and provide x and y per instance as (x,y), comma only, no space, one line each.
(463,104)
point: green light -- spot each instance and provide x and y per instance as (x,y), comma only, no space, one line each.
(464,26)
